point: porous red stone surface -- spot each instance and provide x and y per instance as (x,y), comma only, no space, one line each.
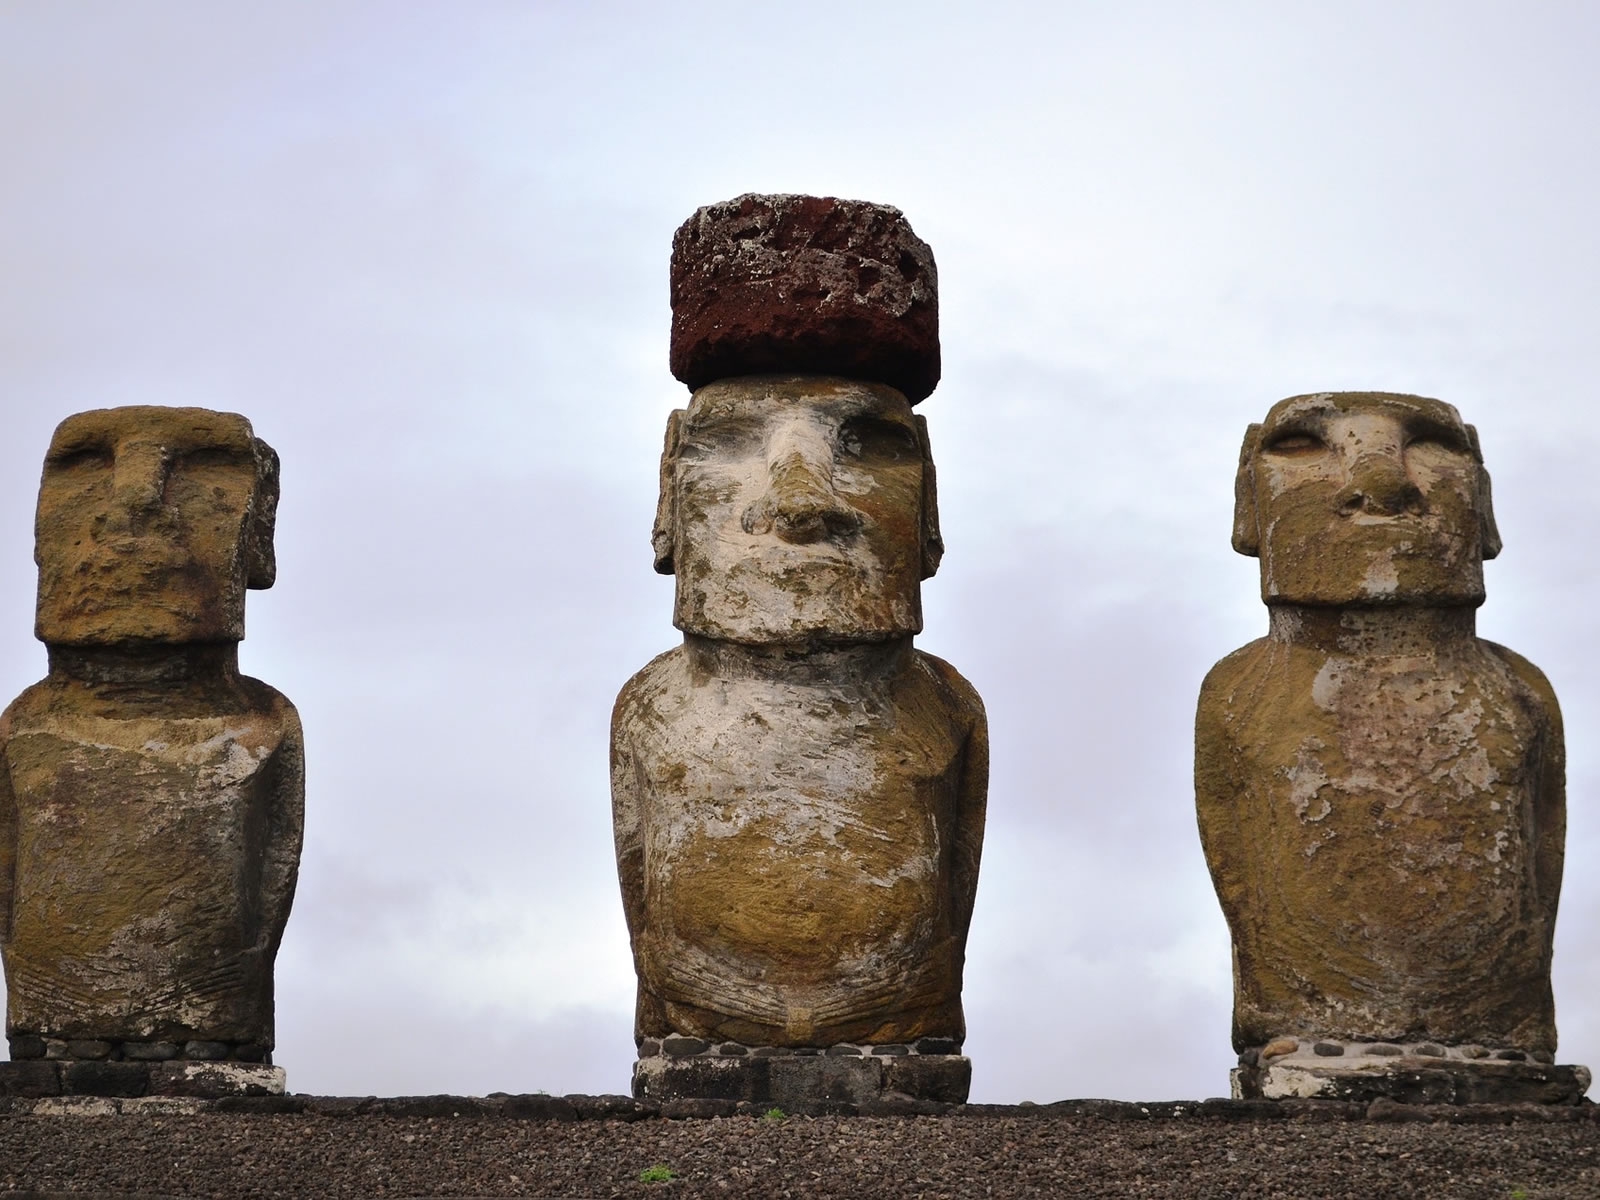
(805,285)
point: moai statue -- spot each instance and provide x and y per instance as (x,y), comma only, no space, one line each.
(799,793)
(150,795)
(1381,793)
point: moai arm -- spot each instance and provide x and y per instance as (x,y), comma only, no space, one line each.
(280,867)
(974,803)
(1550,796)
(1217,790)
(8,836)
(625,807)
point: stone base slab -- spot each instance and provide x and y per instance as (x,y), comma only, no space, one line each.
(1411,1080)
(799,1081)
(48,1078)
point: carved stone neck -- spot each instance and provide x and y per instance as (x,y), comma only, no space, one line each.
(861,662)
(1374,632)
(130,671)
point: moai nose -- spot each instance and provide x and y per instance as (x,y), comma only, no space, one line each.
(1379,485)
(138,482)
(799,504)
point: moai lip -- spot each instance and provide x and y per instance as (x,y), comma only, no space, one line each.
(1381,793)
(151,797)
(798,793)
(804,284)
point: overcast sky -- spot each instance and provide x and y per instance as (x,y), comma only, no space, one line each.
(424,248)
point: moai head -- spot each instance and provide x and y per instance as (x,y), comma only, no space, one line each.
(798,503)
(1365,498)
(151,524)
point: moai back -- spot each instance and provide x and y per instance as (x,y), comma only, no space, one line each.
(1381,792)
(150,796)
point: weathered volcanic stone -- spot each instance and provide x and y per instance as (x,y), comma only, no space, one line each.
(798,793)
(796,1082)
(804,284)
(150,795)
(1381,793)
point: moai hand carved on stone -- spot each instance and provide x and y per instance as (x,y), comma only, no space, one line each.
(799,793)
(151,797)
(1380,792)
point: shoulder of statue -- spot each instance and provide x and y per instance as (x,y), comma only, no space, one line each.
(267,700)
(664,672)
(1228,672)
(34,701)
(1525,673)
(958,690)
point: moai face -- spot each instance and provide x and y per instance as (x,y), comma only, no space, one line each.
(151,524)
(797,509)
(1365,498)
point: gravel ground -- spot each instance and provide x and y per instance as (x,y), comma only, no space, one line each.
(1194,1157)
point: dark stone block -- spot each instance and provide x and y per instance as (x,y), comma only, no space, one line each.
(649,1047)
(610,1108)
(31,1077)
(767,1051)
(1250,1057)
(946,1078)
(842,1050)
(202,1079)
(269,1106)
(733,1049)
(1385,1050)
(1327,1049)
(206,1051)
(1511,1056)
(27,1045)
(252,1053)
(539,1108)
(1430,1050)
(149,1051)
(683,1047)
(105,1079)
(339,1106)
(435,1106)
(88,1048)
(937,1045)
(894,1048)
(808,285)
(895,1105)
(696,1109)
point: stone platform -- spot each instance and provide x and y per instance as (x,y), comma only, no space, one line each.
(44,1078)
(1419,1073)
(793,1078)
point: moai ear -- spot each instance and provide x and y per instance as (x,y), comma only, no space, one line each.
(261,559)
(664,534)
(932,539)
(1246,531)
(1488,531)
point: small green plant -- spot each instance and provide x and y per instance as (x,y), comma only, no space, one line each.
(660,1173)
(1519,1194)
(773,1114)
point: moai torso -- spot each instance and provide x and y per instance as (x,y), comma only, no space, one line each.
(1380,791)
(802,875)
(150,796)
(799,793)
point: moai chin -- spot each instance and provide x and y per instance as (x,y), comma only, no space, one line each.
(1381,793)
(151,797)
(798,793)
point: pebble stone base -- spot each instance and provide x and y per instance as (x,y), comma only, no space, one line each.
(791,1078)
(1411,1073)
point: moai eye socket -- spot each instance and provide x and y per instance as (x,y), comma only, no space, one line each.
(1295,441)
(874,439)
